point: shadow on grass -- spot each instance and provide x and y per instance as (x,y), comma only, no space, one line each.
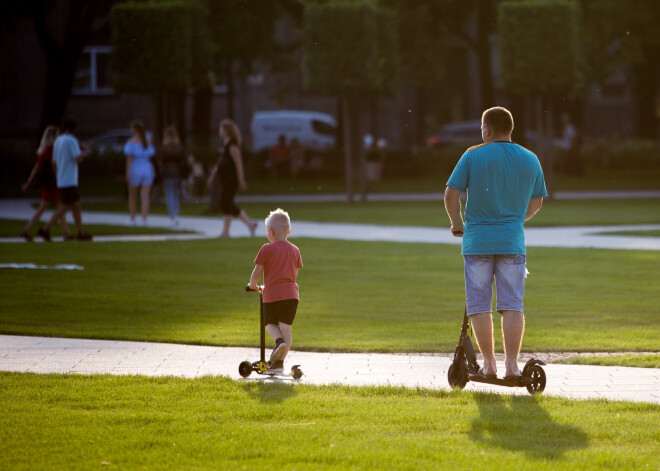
(520,423)
(269,390)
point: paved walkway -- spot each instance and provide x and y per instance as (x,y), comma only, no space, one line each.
(207,227)
(75,356)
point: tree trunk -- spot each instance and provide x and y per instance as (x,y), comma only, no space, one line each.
(230,92)
(201,119)
(62,56)
(348,164)
(647,89)
(484,28)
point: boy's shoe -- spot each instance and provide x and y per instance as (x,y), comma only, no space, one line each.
(44,234)
(68,238)
(26,235)
(84,236)
(280,346)
(277,367)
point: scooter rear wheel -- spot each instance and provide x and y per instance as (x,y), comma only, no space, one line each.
(457,374)
(245,369)
(537,375)
(296,372)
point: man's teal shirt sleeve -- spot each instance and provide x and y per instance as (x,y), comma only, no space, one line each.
(459,177)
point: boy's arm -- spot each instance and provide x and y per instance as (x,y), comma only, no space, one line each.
(256,276)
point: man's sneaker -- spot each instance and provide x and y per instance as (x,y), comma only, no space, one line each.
(68,238)
(26,235)
(277,367)
(84,236)
(44,234)
(280,346)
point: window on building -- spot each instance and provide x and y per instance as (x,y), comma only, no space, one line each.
(93,76)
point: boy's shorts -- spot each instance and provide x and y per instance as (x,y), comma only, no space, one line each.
(508,271)
(280,311)
(69,195)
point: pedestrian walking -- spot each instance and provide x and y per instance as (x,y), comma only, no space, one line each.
(173,164)
(505,187)
(44,174)
(140,172)
(232,176)
(67,154)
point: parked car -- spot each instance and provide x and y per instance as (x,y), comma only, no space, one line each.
(106,153)
(316,131)
(110,142)
(463,131)
(469,133)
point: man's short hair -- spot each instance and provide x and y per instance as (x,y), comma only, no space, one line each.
(499,120)
(69,125)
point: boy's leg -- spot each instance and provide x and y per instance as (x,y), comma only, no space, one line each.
(285,329)
(274,331)
(77,217)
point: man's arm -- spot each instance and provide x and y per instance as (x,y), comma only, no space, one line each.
(453,207)
(533,208)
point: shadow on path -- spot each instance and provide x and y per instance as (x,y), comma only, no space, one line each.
(521,423)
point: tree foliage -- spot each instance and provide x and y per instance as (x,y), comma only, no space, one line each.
(151,46)
(350,47)
(539,46)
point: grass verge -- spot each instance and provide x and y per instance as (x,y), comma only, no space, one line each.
(11,228)
(633,233)
(85,422)
(637,361)
(355,296)
(431,213)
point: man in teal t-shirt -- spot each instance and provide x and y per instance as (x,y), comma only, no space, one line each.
(505,187)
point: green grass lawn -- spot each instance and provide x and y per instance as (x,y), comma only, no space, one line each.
(11,228)
(425,213)
(355,296)
(93,422)
(637,361)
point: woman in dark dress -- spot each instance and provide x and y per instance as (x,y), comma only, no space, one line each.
(232,177)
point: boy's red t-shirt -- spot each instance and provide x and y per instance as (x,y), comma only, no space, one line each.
(281,260)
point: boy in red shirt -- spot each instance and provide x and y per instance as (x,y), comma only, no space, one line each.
(279,262)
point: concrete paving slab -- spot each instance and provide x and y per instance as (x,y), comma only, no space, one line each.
(80,356)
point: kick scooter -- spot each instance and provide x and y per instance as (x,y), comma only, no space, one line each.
(261,366)
(465,368)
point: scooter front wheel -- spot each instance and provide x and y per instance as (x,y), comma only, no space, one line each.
(457,375)
(245,369)
(537,376)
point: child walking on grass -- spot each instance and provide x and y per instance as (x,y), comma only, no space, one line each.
(279,262)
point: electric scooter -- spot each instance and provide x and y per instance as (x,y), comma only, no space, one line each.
(465,368)
(261,367)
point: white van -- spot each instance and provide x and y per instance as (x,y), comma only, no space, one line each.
(315,131)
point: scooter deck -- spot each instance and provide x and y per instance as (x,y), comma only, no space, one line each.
(279,375)
(516,383)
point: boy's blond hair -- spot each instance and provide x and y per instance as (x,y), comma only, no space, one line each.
(279,222)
